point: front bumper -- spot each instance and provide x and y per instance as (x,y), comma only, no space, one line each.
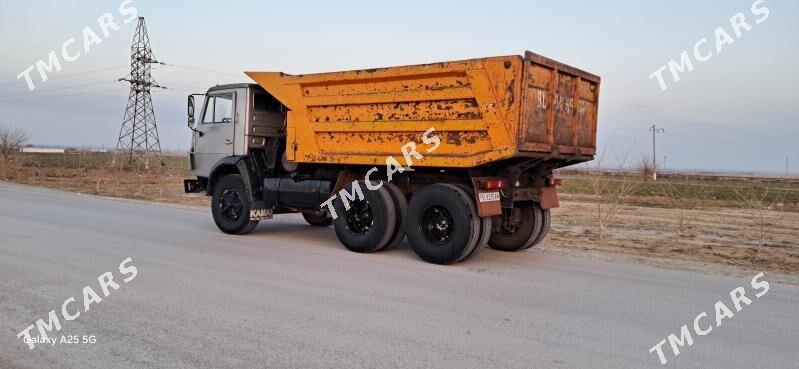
(193,186)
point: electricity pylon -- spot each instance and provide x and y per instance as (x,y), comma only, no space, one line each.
(138,136)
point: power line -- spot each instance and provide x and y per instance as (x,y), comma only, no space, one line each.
(31,48)
(732,143)
(57,89)
(178,89)
(203,70)
(69,75)
(170,84)
(88,72)
(11,97)
(127,66)
(706,139)
(624,129)
(57,96)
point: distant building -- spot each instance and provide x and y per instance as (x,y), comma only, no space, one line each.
(42,150)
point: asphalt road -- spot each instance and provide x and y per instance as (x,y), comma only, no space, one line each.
(289,296)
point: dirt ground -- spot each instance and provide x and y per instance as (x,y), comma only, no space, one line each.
(721,235)
(164,184)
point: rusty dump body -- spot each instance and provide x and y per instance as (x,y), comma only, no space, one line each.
(507,108)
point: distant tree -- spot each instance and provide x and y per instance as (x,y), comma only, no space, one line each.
(646,166)
(610,190)
(685,199)
(11,141)
(761,201)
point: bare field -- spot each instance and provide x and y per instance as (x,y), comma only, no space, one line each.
(711,190)
(94,174)
(716,228)
(721,235)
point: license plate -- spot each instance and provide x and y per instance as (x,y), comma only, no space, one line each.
(489,196)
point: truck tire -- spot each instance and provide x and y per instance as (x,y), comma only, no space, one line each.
(482,240)
(230,206)
(369,223)
(442,225)
(521,237)
(401,204)
(318,218)
(485,228)
(546,221)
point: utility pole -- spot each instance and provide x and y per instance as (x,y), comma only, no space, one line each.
(655,130)
(138,136)
(787,168)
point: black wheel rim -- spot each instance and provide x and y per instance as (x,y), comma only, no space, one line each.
(230,205)
(359,218)
(437,224)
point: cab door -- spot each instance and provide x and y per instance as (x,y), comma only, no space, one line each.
(214,136)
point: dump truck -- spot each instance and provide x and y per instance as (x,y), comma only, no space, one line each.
(452,156)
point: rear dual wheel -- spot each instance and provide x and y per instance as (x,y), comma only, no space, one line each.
(520,228)
(441,222)
(443,226)
(401,205)
(546,221)
(367,224)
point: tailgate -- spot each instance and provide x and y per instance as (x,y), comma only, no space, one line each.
(559,109)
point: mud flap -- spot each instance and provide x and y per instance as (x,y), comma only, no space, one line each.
(549,197)
(488,203)
(258,209)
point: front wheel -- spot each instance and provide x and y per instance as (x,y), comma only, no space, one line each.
(230,206)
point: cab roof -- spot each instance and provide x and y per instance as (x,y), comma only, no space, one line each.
(234,85)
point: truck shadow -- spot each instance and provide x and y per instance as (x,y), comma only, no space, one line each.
(291,228)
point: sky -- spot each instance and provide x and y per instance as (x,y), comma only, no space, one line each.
(738,110)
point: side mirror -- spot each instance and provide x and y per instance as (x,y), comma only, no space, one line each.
(191,115)
(191,111)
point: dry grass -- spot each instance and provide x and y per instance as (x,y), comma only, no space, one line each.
(721,235)
(93,173)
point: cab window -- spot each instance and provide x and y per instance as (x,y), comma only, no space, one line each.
(218,109)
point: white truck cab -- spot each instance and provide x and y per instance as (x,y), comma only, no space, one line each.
(233,120)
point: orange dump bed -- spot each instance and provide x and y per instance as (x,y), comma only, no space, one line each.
(484,110)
